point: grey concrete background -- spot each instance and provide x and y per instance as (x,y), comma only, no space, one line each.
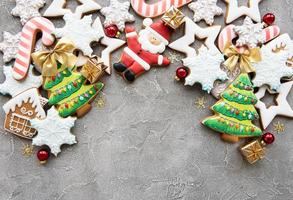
(147,144)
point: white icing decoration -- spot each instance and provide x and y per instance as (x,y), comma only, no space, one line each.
(192,30)
(53,131)
(32,96)
(57,8)
(250,34)
(282,108)
(205,68)
(205,10)
(234,12)
(79,31)
(117,13)
(27,9)
(9,46)
(13,87)
(272,67)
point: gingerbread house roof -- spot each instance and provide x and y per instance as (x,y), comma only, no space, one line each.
(32,96)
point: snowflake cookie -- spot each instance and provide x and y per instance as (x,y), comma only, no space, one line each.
(9,46)
(205,68)
(205,10)
(117,13)
(27,9)
(53,131)
(250,34)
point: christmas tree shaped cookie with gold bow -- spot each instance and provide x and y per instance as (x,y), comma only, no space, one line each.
(235,111)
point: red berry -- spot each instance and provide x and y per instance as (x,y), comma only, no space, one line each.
(53,78)
(268,138)
(269,18)
(181,72)
(43,155)
(111,30)
(75,84)
(66,105)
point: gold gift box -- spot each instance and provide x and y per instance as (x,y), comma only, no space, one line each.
(94,69)
(173,17)
(253,151)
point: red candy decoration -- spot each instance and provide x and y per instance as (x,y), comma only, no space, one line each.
(181,73)
(268,138)
(111,31)
(43,155)
(269,18)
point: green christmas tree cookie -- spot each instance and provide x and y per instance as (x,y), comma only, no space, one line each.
(235,111)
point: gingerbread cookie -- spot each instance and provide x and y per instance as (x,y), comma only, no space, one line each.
(235,111)
(117,13)
(20,110)
(53,131)
(57,8)
(234,12)
(283,108)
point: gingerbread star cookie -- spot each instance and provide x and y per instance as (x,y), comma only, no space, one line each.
(234,11)
(205,10)
(282,108)
(53,131)
(117,13)
(9,46)
(27,9)
(79,31)
(57,8)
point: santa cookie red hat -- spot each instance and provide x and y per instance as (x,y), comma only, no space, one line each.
(159,29)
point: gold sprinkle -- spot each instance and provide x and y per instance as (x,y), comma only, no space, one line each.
(279,127)
(100,102)
(200,102)
(27,150)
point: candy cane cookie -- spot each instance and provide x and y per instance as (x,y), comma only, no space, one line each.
(27,43)
(156,9)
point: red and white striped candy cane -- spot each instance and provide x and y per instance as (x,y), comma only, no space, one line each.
(27,43)
(156,9)
(228,34)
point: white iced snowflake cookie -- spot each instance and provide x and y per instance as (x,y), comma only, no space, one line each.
(27,9)
(13,87)
(9,46)
(79,31)
(250,34)
(205,10)
(117,13)
(53,131)
(205,68)
(272,68)
(192,31)
(57,8)
(234,12)
(283,108)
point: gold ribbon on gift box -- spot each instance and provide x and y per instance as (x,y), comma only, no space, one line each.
(244,59)
(173,17)
(94,69)
(253,151)
(62,53)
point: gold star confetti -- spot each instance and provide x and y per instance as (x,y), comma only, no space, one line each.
(174,57)
(27,150)
(100,102)
(200,103)
(279,127)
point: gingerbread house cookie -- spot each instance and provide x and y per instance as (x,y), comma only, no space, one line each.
(21,109)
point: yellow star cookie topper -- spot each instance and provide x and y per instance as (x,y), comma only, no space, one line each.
(234,11)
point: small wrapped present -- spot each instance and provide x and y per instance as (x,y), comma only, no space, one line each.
(253,151)
(173,17)
(94,69)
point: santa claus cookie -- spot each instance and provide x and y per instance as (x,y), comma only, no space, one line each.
(144,49)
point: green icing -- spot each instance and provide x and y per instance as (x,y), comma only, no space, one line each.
(215,124)
(244,78)
(50,83)
(238,96)
(70,89)
(232,112)
(82,97)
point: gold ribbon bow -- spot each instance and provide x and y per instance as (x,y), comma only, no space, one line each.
(245,59)
(62,52)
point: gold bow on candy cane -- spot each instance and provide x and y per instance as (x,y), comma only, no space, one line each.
(62,52)
(245,59)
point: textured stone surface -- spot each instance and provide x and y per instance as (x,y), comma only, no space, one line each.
(148,144)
